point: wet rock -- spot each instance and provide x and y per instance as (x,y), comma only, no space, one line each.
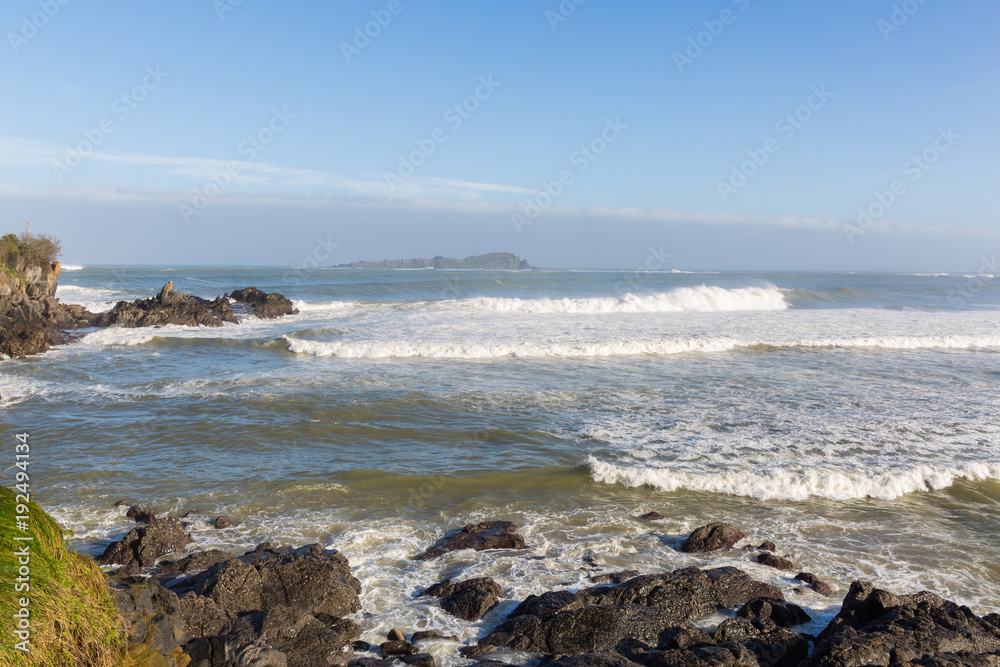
(169,307)
(361,645)
(683,637)
(144,545)
(606,659)
(470,599)
(398,648)
(875,627)
(222,521)
(120,503)
(769,644)
(207,652)
(202,616)
(303,639)
(312,579)
(784,614)
(767,546)
(595,620)
(418,660)
(775,561)
(139,515)
(492,663)
(714,536)
(478,536)
(265,306)
(395,635)
(651,516)
(424,635)
(614,577)
(233,585)
(815,583)
(195,562)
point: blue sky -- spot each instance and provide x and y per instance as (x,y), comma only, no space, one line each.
(733,133)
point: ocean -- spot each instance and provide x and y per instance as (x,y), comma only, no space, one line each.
(852,419)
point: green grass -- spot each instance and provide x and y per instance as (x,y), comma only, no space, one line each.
(73,616)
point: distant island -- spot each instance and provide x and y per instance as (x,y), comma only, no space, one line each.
(494,261)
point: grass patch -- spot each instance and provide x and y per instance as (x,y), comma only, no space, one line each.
(73,616)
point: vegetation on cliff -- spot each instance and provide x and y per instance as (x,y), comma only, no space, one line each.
(18,254)
(73,620)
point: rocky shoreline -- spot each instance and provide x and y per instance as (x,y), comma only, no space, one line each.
(32,319)
(279,606)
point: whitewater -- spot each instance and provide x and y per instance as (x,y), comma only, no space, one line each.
(850,418)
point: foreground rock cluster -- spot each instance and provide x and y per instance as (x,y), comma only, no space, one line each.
(32,319)
(284,607)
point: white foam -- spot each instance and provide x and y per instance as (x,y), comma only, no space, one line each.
(121,336)
(71,267)
(307,306)
(832,484)
(94,299)
(682,299)
(615,348)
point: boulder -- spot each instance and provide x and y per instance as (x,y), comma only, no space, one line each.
(222,521)
(714,536)
(760,639)
(875,627)
(597,619)
(784,614)
(478,536)
(265,306)
(169,307)
(195,562)
(778,562)
(148,612)
(393,648)
(815,583)
(145,544)
(302,638)
(651,516)
(470,599)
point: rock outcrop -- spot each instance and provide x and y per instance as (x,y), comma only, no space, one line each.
(714,536)
(470,599)
(478,536)
(597,619)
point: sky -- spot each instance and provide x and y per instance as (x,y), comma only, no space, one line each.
(727,134)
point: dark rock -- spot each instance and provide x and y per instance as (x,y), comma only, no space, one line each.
(396,648)
(492,663)
(614,577)
(195,562)
(361,645)
(874,627)
(139,515)
(769,645)
(597,619)
(651,516)
(207,652)
(202,617)
(711,537)
(169,307)
(303,639)
(767,546)
(120,503)
(148,612)
(222,521)
(784,614)
(992,619)
(478,536)
(424,635)
(683,637)
(607,659)
(775,561)
(265,306)
(470,599)
(310,578)
(145,544)
(477,651)
(418,660)
(814,582)
(395,635)
(371,662)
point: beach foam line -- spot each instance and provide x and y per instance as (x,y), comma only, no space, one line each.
(796,485)
(462,350)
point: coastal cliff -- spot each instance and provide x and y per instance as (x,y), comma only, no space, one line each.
(494,261)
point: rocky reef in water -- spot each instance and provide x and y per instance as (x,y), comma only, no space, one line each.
(286,607)
(32,319)
(495,261)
